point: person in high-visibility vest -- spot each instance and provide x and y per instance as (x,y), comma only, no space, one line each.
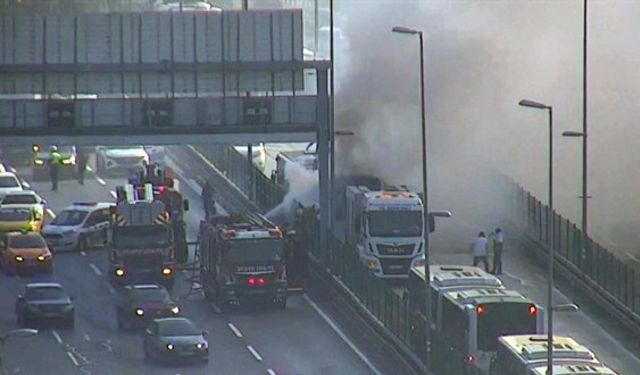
(55,160)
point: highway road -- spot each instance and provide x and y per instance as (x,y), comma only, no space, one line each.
(296,341)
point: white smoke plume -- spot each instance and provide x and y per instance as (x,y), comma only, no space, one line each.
(303,189)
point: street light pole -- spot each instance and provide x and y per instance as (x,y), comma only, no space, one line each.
(406,30)
(585,195)
(536,105)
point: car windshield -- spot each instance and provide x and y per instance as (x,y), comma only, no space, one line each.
(150,295)
(177,327)
(69,217)
(141,236)
(44,293)
(395,223)
(26,241)
(15,215)
(9,182)
(20,199)
(265,250)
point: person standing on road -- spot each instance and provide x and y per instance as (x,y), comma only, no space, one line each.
(498,246)
(479,249)
(55,160)
(81,163)
(207,198)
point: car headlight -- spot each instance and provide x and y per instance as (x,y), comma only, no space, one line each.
(169,346)
(19,258)
(38,162)
(372,265)
(201,345)
(139,312)
(175,310)
(41,258)
(119,272)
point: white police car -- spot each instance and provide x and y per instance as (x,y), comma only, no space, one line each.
(80,226)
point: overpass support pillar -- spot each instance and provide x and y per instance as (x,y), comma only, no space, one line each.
(323,162)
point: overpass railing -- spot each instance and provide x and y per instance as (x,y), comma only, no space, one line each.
(612,282)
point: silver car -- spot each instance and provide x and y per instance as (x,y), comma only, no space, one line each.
(80,226)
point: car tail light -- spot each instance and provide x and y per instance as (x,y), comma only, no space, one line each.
(533,310)
(251,281)
(480,310)
(261,281)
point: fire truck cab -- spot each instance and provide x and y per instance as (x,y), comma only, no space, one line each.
(143,240)
(243,260)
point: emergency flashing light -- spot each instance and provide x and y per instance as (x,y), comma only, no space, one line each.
(479,310)
(533,310)
(470,360)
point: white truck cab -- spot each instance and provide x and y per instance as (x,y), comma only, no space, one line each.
(386,227)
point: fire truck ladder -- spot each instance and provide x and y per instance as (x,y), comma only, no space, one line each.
(192,272)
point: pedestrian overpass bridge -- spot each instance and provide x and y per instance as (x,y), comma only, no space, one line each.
(159,78)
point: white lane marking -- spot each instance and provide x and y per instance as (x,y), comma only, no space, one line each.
(215,308)
(113,194)
(95,269)
(73,359)
(271,372)
(51,213)
(344,338)
(522,282)
(111,290)
(255,354)
(83,253)
(634,257)
(100,180)
(57,336)
(235,330)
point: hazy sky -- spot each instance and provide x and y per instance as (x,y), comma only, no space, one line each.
(482,57)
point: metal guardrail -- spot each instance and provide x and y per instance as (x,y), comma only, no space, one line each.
(236,168)
(614,282)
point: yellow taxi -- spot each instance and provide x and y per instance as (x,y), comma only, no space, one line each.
(20,218)
(24,251)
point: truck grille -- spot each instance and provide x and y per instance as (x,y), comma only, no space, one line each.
(395,266)
(396,250)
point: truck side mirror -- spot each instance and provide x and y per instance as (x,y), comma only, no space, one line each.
(185,204)
(431,223)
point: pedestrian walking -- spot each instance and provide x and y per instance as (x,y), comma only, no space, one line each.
(498,246)
(479,248)
(81,163)
(55,160)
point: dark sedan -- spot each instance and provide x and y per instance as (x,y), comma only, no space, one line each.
(137,305)
(175,339)
(44,302)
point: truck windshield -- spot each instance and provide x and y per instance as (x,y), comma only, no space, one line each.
(395,223)
(136,236)
(255,250)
